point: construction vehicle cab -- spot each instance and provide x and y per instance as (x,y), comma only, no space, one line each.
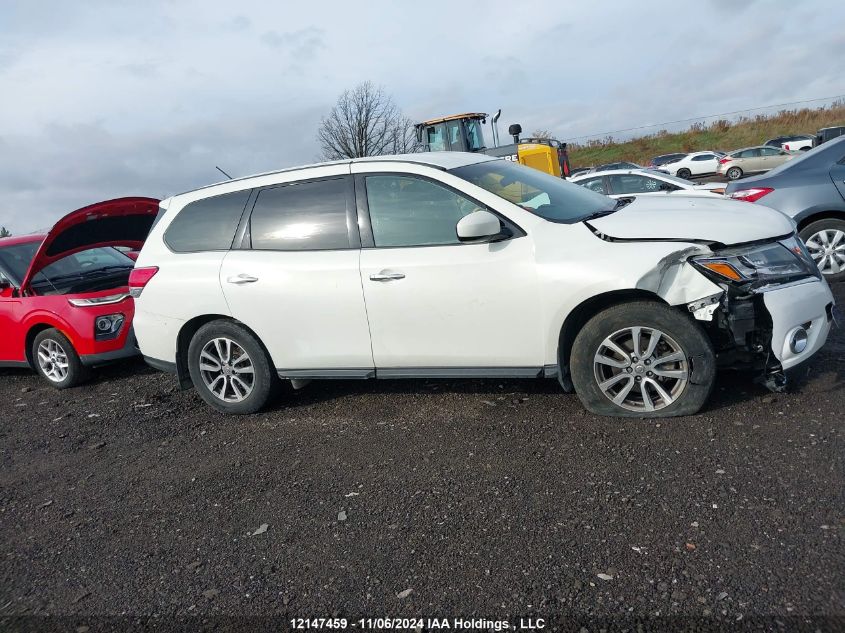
(464,133)
(456,133)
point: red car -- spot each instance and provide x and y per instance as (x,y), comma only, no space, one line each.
(64,299)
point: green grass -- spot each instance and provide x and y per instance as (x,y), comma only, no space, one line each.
(719,135)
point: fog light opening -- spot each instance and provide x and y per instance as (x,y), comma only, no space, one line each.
(104,324)
(798,341)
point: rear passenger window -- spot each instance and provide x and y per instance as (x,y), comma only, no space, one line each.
(301,216)
(208,224)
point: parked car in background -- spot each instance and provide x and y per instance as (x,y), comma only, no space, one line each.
(663,159)
(695,164)
(620,165)
(793,143)
(578,171)
(618,183)
(811,190)
(64,296)
(829,133)
(752,160)
(448,265)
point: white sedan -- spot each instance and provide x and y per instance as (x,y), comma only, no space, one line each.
(694,165)
(621,183)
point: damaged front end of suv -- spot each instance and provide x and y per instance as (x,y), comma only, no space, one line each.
(773,311)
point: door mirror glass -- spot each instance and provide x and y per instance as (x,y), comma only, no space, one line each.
(478,226)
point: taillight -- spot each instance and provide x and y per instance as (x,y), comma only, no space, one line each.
(139,278)
(786,147)
(724,160)
(750,195)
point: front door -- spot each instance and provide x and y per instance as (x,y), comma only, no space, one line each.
(837,173)
(12,338)
(296,283)
(439,306)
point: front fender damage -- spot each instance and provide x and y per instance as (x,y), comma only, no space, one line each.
(737,322)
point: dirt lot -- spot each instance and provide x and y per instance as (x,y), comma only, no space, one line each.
(130,499)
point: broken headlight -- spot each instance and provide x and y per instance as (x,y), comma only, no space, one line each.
(774,262)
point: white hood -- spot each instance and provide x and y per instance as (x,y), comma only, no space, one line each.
(711,219)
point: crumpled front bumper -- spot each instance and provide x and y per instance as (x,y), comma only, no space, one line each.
(808,305)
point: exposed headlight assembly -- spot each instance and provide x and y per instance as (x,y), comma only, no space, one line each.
(760,264)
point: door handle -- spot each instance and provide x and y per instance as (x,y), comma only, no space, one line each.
(243,278)
(386,275)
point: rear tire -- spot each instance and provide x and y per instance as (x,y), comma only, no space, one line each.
(734,173)
(643,382)
(56,361)
(820,236)
(230,369)
(684,173)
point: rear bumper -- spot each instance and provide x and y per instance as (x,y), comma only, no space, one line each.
(129,349)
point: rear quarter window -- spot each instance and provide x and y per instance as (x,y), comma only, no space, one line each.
(208,224)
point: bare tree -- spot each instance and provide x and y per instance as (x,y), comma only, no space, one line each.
(365,122)
(4,232)
(541,134)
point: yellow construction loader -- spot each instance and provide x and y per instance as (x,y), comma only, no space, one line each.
(464,133)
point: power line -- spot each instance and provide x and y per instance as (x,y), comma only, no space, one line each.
(709,116)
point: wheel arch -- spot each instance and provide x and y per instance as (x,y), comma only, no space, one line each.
(586,310)
(815,216)
(186,333)
(34,330)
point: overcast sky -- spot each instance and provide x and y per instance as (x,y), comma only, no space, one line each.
(106,98)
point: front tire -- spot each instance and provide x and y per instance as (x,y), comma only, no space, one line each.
(230,369)
(642,359)
(825,239)
(56,361)
(684,173)
(734,173)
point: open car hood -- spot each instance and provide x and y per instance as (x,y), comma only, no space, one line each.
(118,222)
(696,219)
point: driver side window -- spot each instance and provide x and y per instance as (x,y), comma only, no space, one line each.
(410,211)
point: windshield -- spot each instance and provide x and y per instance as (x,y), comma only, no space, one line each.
(93,269)
(551,198)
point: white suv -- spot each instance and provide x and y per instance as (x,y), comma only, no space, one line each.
(453,265)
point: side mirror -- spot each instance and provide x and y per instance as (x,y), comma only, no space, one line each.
(478,226)
(6,288)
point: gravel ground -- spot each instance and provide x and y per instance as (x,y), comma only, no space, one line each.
(128,503)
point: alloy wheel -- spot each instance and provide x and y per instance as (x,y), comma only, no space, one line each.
(827,248)
(52,360)
(641,369)
(226,370)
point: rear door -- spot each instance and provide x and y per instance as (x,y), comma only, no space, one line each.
(294,277)
(704,164)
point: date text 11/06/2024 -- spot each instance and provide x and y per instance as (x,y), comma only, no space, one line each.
(418,624)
